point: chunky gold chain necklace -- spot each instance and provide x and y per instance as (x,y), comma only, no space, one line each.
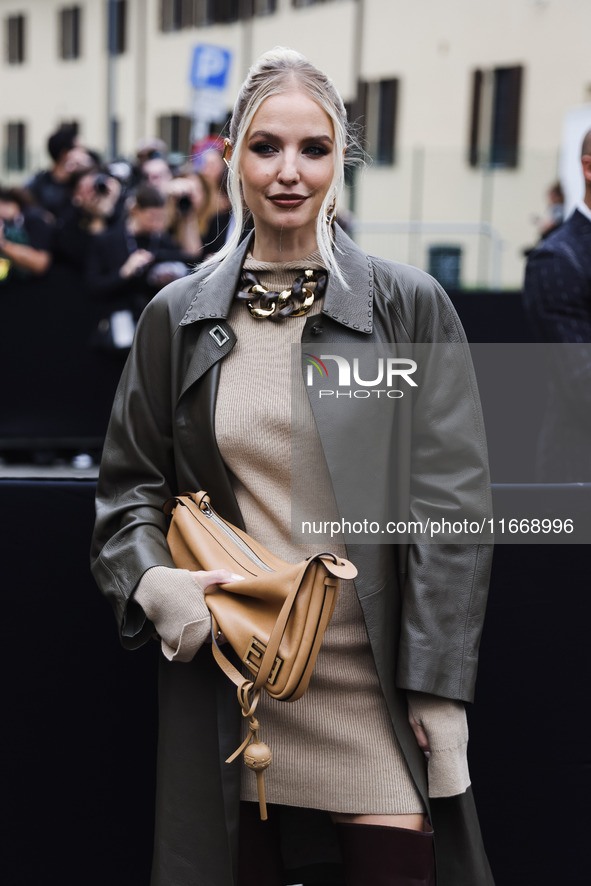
(265,304)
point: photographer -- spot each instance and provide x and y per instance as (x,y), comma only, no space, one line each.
(190,208)
(128,264)
(51,189)
(97,204)
(157,173)
(25,237)
(98,197)
(147,149)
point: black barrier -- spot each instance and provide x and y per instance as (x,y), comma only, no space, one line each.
(80,713)
(57,388)
(496,316)
(492,315)
(529,740)
(79,731)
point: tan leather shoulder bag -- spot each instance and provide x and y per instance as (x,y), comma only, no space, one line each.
(274,620)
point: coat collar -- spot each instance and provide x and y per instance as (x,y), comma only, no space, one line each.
(581,220)
(353,307)
(584,210)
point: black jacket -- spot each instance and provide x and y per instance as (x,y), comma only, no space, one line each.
(557,299)
(109,251)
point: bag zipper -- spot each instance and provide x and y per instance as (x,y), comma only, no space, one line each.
(209,512)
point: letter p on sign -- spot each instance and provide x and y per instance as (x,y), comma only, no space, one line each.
(210,67)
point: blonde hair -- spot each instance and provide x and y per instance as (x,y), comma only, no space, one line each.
(274,73)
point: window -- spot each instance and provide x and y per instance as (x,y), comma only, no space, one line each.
(376,108)
(299,3)
(69,32)
(117,27)
(15,147)
(225,11)
(208,12)
(246,9)
(265,7)
(177,14)
(175,130)
(494,124)
(15,39)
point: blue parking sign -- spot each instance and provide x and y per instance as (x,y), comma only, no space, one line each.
(210,67)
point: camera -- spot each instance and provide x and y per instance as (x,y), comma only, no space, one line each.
(100,184)
(184,204)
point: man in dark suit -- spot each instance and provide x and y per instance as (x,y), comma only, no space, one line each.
(557,299)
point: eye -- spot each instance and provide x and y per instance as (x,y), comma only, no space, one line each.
(262,148)
(316,151)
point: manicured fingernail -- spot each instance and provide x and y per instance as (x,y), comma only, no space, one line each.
(235,577)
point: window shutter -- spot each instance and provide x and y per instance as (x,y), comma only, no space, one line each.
(473,155)
(506,114)
(387,121)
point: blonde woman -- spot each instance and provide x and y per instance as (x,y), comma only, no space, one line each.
(206,402)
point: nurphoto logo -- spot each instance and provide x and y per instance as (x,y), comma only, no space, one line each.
(388,372)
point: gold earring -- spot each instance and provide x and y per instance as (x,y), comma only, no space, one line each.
(331,212)
(227,148)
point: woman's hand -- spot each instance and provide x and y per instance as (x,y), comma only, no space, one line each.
(441,731)
(215,577)
(137,261)
(420,735)
(174,601)
(98,204)
(185,187)
(36,261)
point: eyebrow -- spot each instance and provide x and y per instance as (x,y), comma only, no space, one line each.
(272,136)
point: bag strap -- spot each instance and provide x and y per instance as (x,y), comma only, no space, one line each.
(246,686)
(248,691)
(270,653)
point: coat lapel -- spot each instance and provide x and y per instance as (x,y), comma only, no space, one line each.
(214,292)
(216,339)
(352,307)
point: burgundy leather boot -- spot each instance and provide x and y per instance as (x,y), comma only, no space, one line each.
(375,855)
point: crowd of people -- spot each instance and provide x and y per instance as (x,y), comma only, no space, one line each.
(85,245)
(126,228)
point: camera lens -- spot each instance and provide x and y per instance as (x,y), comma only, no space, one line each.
(184,203)
(100,184)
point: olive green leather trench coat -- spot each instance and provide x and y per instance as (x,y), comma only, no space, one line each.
(424,629)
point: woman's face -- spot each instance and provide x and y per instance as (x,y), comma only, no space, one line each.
(151,220)
(287,166)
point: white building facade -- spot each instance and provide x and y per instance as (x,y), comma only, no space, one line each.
(462,102)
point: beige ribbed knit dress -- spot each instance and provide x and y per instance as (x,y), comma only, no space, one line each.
(334,748)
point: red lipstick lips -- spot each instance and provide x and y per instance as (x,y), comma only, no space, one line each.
(287,200)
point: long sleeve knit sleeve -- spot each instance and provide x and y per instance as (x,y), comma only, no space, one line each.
(446,726)
(174,602)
